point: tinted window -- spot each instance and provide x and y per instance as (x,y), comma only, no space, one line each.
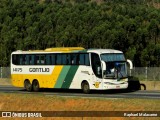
(109,57)
(96,65)
(82,59)
(51,59)
(86,59)
(31,59)
(59,59)
(15,59)
(40,60)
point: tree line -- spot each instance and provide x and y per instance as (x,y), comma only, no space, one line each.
(132,26)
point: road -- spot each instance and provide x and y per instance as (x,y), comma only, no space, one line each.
(144,94)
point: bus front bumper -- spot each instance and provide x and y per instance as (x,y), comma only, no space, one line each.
(108,85)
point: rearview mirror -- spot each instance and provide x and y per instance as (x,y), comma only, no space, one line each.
(103,65)
(130,64)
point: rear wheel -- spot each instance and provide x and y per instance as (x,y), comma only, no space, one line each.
(28,85)
(35,85)
(144,87)
(85,87)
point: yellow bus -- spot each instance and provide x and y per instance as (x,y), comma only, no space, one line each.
(69,68)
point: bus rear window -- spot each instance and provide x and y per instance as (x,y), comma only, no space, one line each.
(15,59)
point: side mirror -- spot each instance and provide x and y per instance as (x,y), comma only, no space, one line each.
(103,65)
(130,64)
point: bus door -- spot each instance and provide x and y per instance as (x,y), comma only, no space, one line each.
(97,70)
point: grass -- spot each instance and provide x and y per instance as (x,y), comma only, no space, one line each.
(40,102)
(5,81)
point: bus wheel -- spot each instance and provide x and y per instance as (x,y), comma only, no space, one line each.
(28,85)
(35,85)
(85,87)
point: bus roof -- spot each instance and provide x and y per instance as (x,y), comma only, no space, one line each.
(101,51)
(56,50)
(68,49)
(64,49)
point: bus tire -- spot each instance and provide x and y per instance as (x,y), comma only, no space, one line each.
(28,85)
(144,86)
(35,85)
(85,87)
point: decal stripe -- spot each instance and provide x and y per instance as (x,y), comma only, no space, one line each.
(56,72)
(62,76)
(67,74)
(69,77)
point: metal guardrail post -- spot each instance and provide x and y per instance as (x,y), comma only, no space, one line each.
(1,72)
(146,72)
(130,72)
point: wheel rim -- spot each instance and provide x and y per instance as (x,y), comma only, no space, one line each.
(27,85)
(85,87)
(36,86)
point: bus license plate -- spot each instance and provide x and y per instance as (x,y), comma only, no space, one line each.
(117,86)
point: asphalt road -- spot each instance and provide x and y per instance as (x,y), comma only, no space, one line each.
(144,94)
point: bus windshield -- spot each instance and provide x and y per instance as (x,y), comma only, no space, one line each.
(110,57)
(115,65)
(115,70)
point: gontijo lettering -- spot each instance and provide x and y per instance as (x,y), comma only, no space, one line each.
(38,69)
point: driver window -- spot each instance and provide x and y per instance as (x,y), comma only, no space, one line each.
(96,65)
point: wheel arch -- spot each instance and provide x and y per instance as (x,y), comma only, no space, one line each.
(37,81)
(83,81)
(34,80)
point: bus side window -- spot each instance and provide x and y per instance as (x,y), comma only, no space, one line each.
(15,59)
(64,59)
(82,59)
(21,59)
(68,59)
(73,59)
(59,59)
(27,60)
(37,59)
(31,59)
(77,59)
(48,59)
(53,58)
(42,59)
(87,59)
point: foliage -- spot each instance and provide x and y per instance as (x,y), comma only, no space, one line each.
(131,26)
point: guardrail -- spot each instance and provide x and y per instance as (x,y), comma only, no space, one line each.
(5,72)
(146,73)
(142,73)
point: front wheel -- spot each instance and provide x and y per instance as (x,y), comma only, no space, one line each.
(35,85)
(85,87)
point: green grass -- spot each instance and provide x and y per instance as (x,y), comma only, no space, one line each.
(41,102)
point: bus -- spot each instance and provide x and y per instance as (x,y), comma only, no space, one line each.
(70,68)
